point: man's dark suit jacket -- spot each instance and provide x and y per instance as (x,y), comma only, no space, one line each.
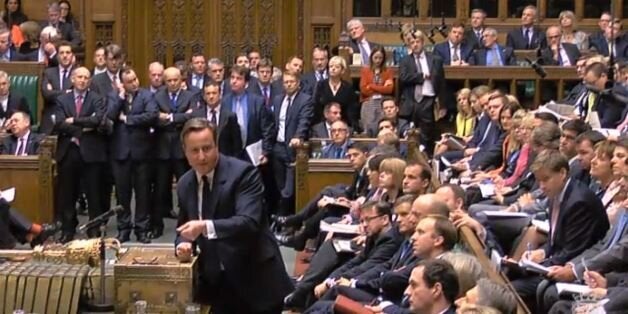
(244,247)
(16,102)
(92,143)
(298,115)
(309,83)
(229,137)
(356,48)
(444,52)
(167,133)
(377,250)
(609,109)
(132,139)
(101,83)
(402,127)
(506,53)
(14,55)
(515,40)
(409,77)
(572,51)
(472,40)
(9,144)
(574,94)
(479,130)
(189,80)
(600,45)
(582,221)
(260,124)
(491,152)
(273,88)
(51,76)
(319,130)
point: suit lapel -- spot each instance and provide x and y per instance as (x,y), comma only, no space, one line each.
(218,181)
(193,203)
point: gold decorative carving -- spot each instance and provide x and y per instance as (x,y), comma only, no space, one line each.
(228,34)
(178,23)
(159,42)
(104,33)
(198,28)
(300,26)
(322,35)
(268,35)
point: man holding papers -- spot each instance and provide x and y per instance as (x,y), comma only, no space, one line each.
(577,220)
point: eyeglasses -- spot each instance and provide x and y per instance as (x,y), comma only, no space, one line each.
(366,220)
(338,130)
(555,36)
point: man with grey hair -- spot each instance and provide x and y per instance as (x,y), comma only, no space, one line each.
(66,30)
(155,76)
(527,36)
(216,71)
(492,53)
(7,51)
(10,102)
(359,44)
(491,294)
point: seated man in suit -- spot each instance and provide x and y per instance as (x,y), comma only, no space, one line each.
(7,50)
(610,289)
(229,138)
(608,106)
(16,228)
(491,294)
(222,213)
(577,220)
(332,113)
(557,53)
(10,102)
(613,36)
(22,141)
(492,53)
(441,278)
(390,111)
(527,36)
(337,148)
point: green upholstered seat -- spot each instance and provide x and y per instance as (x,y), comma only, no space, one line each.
(27,86)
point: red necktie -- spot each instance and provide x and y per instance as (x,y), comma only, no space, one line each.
(79,104)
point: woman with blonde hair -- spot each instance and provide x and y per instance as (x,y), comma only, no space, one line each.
(465,119)
(335,89)
(468,269)
(390,178)
(567,21)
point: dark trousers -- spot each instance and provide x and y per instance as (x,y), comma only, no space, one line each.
(526,288)
(354,294)
(164,171)
(284,177)
(13,226)
(423,118)
(70,172)
(131,176)
(46,124)
(222,297)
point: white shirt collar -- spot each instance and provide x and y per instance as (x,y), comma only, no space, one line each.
(25,137)
(210,177)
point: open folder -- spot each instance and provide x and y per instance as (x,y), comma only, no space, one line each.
(8,194)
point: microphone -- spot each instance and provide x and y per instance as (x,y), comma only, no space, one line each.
(102,218)
(540,71)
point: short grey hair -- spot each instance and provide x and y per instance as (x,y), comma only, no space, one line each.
(467,267)
(490,30)
(546,135)
(354,22)
(4,75)
(214,61)
(496,296)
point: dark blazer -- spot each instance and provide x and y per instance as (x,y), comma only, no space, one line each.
(600,259)
(402,128)
(273,88)
(229,136)
(409,77)
(609,109)
(472,40)
(345,96)
(244,247)
(132,139)
(600,45)
(188,80)
(376,251)
(572,51)
(319,130)
(582,221)
(51,76)
(16,102)
(167,133)
(506,53)
(101,83)
(84,128)
(444,52)
(309,83)
(67,32)
(574,94)
(479,130)
(260,124)
(298,115)
(9,144)
(491,150)
(515,40)
(356,49)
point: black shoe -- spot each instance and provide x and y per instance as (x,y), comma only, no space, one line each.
(124,236)
(171,215)
(142,238)
(286,221)
(292,302)
(66,237)
(295,241)
(155,233)
(47,231)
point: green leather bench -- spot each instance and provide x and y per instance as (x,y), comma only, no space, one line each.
(25,79)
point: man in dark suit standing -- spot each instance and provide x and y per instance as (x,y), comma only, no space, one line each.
(226,122)
(256,122)
(421,78)
(473,35)
(22,141)
(263,85)
(216,70)
(577,219)
(134,112)
(104,83)
(56,82)
(358,42)
(320,58)
(603,22)
(493,54)
(292,115)
(390,111)
(527,36)
(81,152)
(10,102)
(241,269)
(454,52)
(155,76)
(198,76)
(176,106)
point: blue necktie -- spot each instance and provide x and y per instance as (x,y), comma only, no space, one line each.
(338,152)
(621,224)
(405,248)
(173,101)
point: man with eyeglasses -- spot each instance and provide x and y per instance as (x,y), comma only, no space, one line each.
(492,54)
(337,149)
(605,19)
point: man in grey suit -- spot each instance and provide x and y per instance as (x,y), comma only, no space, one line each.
(222,213)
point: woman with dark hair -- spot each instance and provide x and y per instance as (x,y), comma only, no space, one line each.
(67,16)
(12,13)
(376,82)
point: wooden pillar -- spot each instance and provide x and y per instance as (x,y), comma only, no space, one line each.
(618,9)
(502,9)
(424,7)
(541,11)
(579,9)
(462,10)
(385,8)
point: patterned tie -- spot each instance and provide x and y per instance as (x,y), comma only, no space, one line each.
(213,117)
(495,57)
(129,103)
(173,102)
(21,147)
(266,97)
(79,104)
(456,56)
(364,54)
(199,81)
(63,78)
(554,218)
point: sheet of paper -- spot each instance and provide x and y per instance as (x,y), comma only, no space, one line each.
(445,161)
(8,194)
(541,225)
(255,151)
(342,245)
(496,259)
(339,228)
(572,288)
(498,213)
(532,266)
(487,189)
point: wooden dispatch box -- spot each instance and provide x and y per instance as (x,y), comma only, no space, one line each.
(156,276)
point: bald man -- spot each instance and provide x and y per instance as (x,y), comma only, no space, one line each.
(175,108)
(81,152)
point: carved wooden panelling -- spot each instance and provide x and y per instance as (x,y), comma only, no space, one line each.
(322,35)
(103,33)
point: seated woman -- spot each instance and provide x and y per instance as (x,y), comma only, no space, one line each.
(465,119)
(376,82)
(607,185)
(390,179)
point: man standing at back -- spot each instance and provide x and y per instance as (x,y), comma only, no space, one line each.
(221,198)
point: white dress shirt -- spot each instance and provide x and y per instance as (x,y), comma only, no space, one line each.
(428,88)
(22,141)
(210,231)
(209,114)
(283,112)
